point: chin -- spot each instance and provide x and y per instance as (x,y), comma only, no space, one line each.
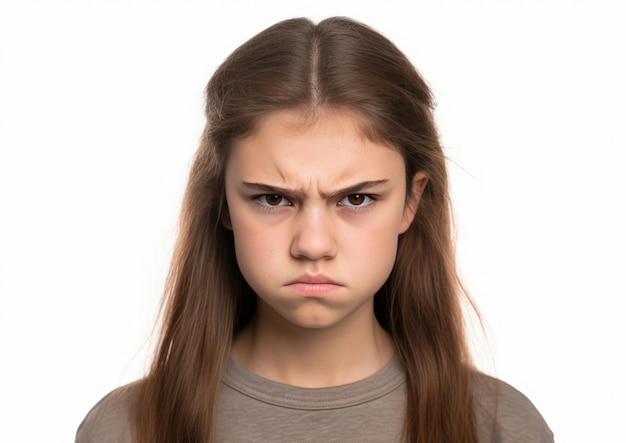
(312,320)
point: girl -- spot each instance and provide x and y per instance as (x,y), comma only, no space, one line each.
(313,294)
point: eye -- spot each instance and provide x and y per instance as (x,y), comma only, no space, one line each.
(356,200)
(273,200)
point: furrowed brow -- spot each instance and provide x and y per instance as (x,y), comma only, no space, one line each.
(270,189)
(353,189)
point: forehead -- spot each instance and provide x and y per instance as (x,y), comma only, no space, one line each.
(328,148)
(300,119)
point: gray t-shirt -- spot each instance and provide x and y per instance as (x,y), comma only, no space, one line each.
(254,409)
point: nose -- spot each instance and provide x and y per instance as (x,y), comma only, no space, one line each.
(314,236)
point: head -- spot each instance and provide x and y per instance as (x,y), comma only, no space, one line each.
(311,71)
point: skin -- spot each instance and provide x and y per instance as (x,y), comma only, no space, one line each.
(316,210)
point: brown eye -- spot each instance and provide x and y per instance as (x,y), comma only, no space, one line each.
(356,199)
(273,200)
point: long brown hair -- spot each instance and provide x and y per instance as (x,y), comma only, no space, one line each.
(296,64)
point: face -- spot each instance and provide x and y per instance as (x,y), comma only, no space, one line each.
(316,211)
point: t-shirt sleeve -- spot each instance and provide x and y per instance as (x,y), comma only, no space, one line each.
(505,415)
(109,420)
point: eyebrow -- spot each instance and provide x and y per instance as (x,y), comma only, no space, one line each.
(353,189)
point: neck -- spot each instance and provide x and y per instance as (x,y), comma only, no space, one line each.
(348,351)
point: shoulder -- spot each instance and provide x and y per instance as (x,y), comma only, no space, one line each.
(110,420)
(504,414)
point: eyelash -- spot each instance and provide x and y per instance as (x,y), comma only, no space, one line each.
(369,199)
(265,206)
(262,199)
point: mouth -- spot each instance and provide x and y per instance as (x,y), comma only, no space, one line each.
(313,285)
(317,279)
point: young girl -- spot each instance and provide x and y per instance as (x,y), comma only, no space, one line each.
(313,294)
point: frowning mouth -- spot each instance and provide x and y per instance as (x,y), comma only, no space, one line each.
(314,279)
(313,285)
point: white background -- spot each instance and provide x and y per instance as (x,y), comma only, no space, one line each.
(100,113)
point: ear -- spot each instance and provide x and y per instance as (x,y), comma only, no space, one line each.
(420,179)
(225,218)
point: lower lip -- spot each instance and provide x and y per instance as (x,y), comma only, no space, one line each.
(313,289)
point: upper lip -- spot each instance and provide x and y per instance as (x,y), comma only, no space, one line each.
(313,278)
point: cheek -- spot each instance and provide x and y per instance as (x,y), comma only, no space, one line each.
(375,246)
(255,248)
